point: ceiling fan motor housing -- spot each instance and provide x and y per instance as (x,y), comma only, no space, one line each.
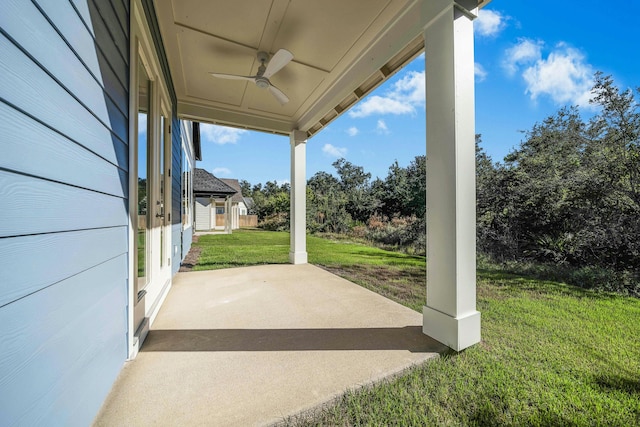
(262,82)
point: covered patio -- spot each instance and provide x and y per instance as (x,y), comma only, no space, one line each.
(253,345)
(93,95)
(329,55)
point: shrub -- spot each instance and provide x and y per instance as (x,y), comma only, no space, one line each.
(275,222)
(406,233)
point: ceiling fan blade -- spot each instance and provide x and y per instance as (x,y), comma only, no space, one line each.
(279,95)
(279,60)
(233,77)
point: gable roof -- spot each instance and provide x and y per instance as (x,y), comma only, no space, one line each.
(205,184)
(235,184)
(249,203)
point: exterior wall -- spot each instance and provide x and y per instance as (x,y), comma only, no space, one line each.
(187,163)
(242,209)
(235,217)
(64,266)
(187,239)
(203,214)
(176,192)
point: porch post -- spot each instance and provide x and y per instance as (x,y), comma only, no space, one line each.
(298,210)
(227,214)
(450,315)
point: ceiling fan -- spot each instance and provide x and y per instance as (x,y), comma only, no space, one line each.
(277,62)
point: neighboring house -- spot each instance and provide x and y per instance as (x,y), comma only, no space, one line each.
(238,205)
(250,204)
(92,95)
(213,202)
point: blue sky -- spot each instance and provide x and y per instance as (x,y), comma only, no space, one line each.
(532,58)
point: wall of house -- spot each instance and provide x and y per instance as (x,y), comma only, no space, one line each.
(64,218)
(176,193)
(203,214)
(187,157)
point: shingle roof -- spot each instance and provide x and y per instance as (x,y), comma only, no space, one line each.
(235,184)
(248,201)
(204,183)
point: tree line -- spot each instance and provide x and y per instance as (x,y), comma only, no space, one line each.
(568,195)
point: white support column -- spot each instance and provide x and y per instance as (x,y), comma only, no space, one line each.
(227,213)
(298,212)
(450,315)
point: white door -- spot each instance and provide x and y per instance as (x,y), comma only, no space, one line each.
(153,197)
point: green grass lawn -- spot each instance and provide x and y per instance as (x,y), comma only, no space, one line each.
(550,354)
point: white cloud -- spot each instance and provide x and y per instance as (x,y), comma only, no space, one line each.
(221,134)
(404,97)
(381,105)
(526,51)
(480,72)
(282,181)
(564,76)
(333,151)
(411,88)
(221,172)
(489,23)
(353,131)
(381,127)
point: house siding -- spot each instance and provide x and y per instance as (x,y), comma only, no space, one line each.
(176,193)
(204,222)
(187,240)
(64,224)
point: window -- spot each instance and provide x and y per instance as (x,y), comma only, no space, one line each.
(187,187)
(220,210)
(143,124)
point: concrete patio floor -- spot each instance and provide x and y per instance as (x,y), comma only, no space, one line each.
(250,346)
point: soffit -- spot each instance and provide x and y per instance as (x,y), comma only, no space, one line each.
(342,50)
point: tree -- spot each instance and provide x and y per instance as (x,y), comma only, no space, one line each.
(570,192)
(403,192)
(326,209)
(417,181)
(355,184)
(245,187)
(615,160)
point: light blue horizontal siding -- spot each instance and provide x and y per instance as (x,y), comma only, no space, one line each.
(176,254)
(187,240)
(75,251)
(49,155)
(122,14)
(62,348)
(176,169)
(28,87)
(26,25)
(103,12)
(64,261)
(40,206)
(79,35)
(75,31)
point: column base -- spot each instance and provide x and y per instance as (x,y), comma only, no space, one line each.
(298,257)
(456,333)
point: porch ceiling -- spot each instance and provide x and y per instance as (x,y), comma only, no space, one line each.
(342,51)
